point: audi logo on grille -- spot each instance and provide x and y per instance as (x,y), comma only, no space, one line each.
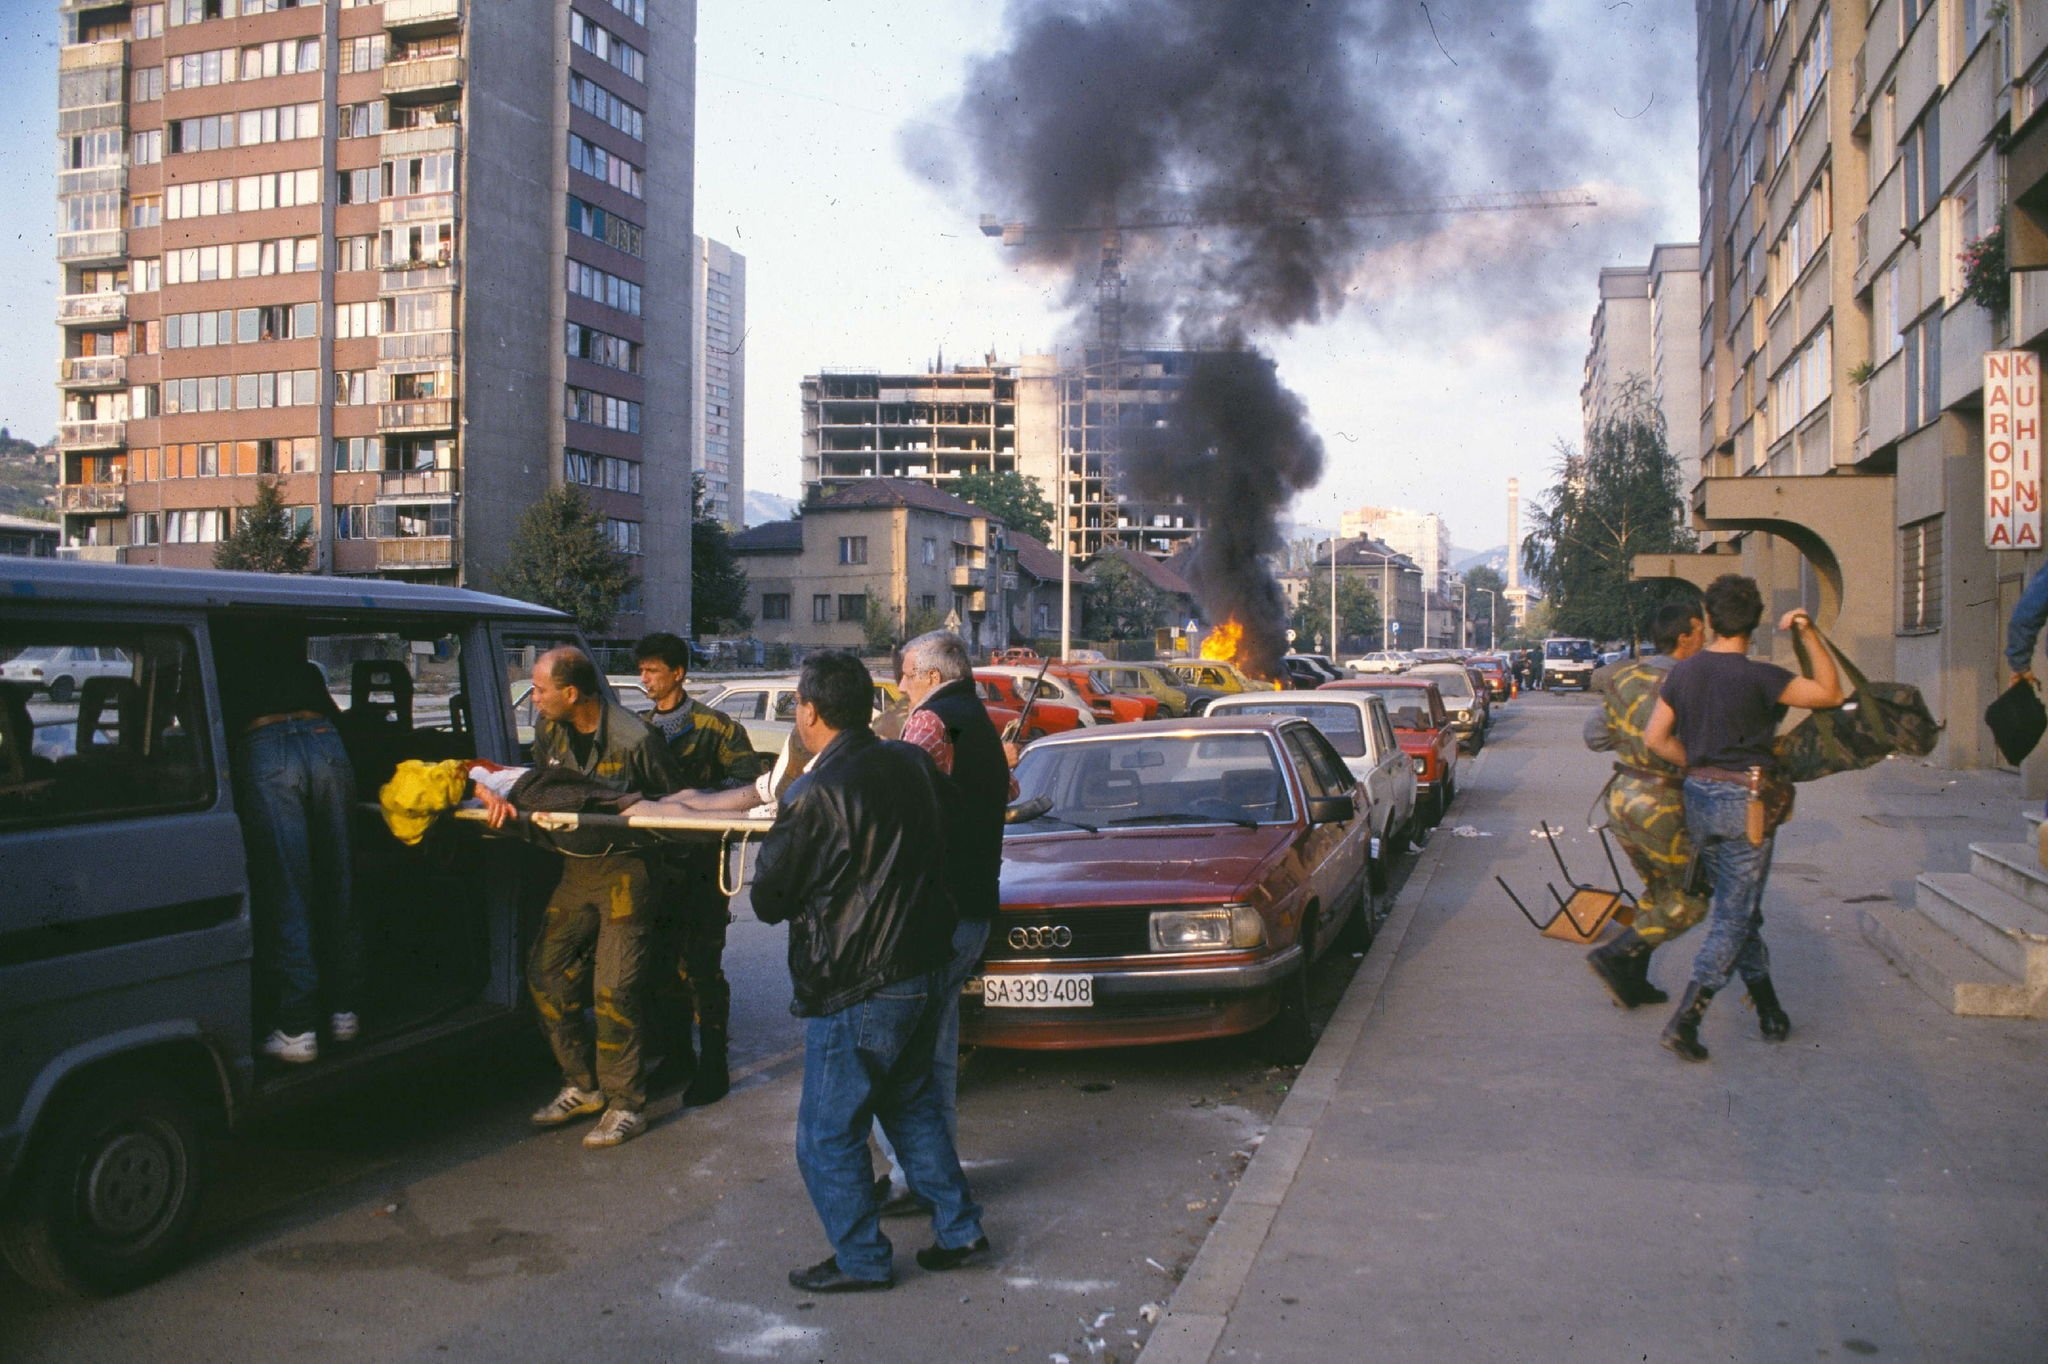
(1048,936)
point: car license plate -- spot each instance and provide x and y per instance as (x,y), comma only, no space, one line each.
(1042,991)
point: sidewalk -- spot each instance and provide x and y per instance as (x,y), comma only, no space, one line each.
(1486,1160)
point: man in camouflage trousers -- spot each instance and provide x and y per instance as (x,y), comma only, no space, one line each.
(597,935)
(711,753)
(1646,806)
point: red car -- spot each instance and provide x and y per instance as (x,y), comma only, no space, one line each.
(1423,726)
(1500,684)
(1177,884)
(1047,717)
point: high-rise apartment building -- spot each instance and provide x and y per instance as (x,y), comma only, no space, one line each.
(1647,328)
(418,260)
(1422,536)
(1059,423)
(1851,157)
(719,305)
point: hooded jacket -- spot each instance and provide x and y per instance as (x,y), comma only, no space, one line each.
(856,865)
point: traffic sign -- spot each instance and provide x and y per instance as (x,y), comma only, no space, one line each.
(1395,626)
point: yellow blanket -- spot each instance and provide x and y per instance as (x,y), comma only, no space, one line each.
(418,792)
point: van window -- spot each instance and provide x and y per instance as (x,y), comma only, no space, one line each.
(400,694)
(100,723)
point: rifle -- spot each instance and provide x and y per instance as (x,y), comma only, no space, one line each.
(1015,728)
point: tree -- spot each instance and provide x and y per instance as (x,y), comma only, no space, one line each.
(265,538)
(561,557)
(1016,501)
(1483,605)
(1617,500)
(1121,604)
(718,585)
(1358,614)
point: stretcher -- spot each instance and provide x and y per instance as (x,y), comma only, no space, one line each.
(575,834)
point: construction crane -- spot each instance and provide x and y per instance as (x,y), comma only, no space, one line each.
(1109,277)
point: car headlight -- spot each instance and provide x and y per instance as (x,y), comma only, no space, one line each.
(1222,929)
(1464,715)
(1422,766)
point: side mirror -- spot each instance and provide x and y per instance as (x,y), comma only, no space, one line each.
(1331,809)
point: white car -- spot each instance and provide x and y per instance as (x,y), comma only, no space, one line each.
(1050,688)
(1355,722)
(631,695)
(1384,661)
(766,708)
(58,669)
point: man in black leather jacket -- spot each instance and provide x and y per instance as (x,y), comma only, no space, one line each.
(856,865)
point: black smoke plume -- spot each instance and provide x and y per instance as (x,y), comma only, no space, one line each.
(1245,123)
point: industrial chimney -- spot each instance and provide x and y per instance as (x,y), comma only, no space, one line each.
(1514,533)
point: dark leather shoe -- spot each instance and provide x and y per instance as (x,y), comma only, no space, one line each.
(824,1277)
(939,1259)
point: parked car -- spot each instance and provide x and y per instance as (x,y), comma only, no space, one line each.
(1051,687)
(1000,687)
(1356,724)
(1423,725)
(627,691)
(1318,665)
(1110,707)
(1178,886)
(1215,675)
(128,1002)
(1382,661)
(1141,679)
(1500,683)
(1568,662)
(59,668)
(1463,697)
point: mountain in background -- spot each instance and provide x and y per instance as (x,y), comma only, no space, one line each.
(765,507)
(28,476)
(1464,560)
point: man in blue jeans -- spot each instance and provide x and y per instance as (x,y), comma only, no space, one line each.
(856,866)
(1716,716)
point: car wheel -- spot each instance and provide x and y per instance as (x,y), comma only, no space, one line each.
(106,1201)
(1289,1038)
(61,688)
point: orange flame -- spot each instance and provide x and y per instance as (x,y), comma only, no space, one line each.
(1223,642)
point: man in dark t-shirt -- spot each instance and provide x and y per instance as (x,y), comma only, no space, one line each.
(1716,717)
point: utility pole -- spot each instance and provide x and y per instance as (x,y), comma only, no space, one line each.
(1333,596)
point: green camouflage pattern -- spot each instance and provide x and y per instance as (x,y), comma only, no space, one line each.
(1645,814)
(595,942)
(711,750)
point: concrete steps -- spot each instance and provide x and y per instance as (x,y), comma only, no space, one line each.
(1976,941)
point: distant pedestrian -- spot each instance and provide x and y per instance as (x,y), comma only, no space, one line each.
(856,866)
(1716,717)
(1646,805)
(598,934)
(712,753)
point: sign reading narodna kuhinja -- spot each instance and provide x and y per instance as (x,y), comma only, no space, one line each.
(2012,449)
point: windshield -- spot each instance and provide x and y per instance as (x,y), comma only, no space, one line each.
(1158,780)
(1408,707)
(1343,725)
(1454,683)
(1577,650)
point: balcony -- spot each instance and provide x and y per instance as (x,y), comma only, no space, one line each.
(422,16)
(92,248)
(417,552)
(86,56)
(88,310)
(400,346)
(971,578)
(405,275)
(416,208)
(93,497)
(422,78)
(439,137)
(92,435)
(96,180)
(94,554)
(418,414)
(93,371)
(411,484)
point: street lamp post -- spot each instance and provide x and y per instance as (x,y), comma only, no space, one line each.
(1333,595)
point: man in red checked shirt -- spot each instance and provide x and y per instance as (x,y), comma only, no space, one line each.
(948,721)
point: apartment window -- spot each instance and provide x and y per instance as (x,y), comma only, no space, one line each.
(853,549)
(621,234)
(601,286)
(601,471)
(353,320)
(288,57)
(624,535)
(1909,15)
(355,253)
(605,45)
(1920,576)
(356,387)
(602,348)
(1962,229)
(358,186)
(636,10)
(853,606)
(593,99)
(602,409)
(931,552)
(928,602)
(600,164)
(821,609)
(207,134)
(145,210)
(1889,337)
(428,174)
(774,606)
(146,83)
(1922,172)
(359,120)
(147,21)
(1923,371)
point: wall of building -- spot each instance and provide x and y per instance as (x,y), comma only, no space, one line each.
(719,303)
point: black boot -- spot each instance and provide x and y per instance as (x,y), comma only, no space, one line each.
(1771,1018)
(711,1082)
(1682,1033)
(1617,965)
(1646,992)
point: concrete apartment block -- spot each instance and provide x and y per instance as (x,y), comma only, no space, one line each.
(1647,326)
(417,259)
(719,308)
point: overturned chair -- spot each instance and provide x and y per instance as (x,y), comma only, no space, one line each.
(1583,915)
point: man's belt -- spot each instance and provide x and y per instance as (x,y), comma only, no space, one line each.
(1734,774)
(1666,778)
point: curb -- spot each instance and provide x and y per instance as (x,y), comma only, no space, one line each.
(1200,1307)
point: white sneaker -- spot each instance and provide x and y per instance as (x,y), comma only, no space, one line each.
(293,1048)
(570,1104)
(617,1125)
(344,1027)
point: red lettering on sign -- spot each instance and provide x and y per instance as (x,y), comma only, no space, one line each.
(1999,451)
(2000,536)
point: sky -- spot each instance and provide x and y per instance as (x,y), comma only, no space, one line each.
(1455,364)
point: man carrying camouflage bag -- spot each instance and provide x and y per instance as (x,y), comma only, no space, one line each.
(1646,807)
